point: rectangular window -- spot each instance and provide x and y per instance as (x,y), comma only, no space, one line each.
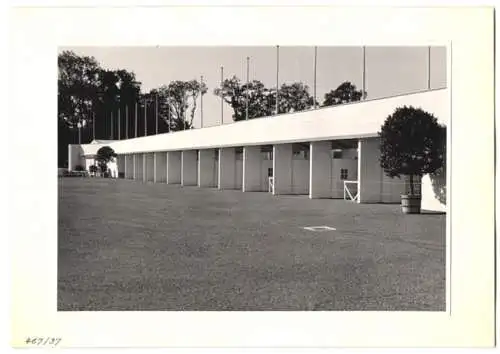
(344,173)
(270,172)
(337,154)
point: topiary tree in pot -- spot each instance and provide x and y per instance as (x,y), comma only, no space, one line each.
(412,143)
(103,156)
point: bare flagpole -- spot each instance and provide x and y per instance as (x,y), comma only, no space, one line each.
(93,123)
(112,135)
(136,119)
(119,120)
(126,121)
(156,112)
(315,70)
(168,116)
(277,77)
(429,68)
(221,96)
(201,103)
(364,73)
(248,84)
(145,117)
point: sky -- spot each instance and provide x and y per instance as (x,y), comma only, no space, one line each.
(389,70)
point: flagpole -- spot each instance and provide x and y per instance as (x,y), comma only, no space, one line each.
(315,70)
(201,102)
(126,121)
(156,112)
(168,117)
(364,73)
(119,120)
(136,119)
(112,125)
(93,123)
(145,118)
(248,84)
(277,77)
(221,96)
(429,68)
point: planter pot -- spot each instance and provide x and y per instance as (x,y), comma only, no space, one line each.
(410,204)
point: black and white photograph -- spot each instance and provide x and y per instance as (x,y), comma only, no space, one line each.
(251,177)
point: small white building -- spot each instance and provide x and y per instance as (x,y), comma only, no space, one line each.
(330,152)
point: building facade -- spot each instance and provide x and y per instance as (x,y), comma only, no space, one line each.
(330,152)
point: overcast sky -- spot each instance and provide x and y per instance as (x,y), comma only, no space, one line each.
(389,70)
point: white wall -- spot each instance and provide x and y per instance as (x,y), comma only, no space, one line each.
(300,176)
(282,169)
(138,167)
(227,169)
(252,169)
(360,119)
(337,184)
(75,157)
(149,174)
(239,175)
(207,168)
(160,167)
(174,167)
(320,169)
(369,171)
(129,166)
(189,168)
(120,161)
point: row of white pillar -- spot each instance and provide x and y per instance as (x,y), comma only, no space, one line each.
(216,168)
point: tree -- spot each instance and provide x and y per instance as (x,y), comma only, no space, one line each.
(178,101)
(77,86)
(103,156)
(293,97)
(412,143)
(345,93)
(234,93)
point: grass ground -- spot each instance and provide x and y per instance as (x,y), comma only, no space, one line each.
(126,245)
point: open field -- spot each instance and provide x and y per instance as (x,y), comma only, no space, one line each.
(127,245)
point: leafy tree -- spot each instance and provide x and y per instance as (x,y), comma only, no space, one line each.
(103,156)
(77,82)
(293,97)
(234,93)
(178,101)
(413,143)
(345,93)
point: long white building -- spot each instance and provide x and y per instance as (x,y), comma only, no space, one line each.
(330,152)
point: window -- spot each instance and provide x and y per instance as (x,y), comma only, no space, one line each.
(337,154)
(344,173)
(270,172)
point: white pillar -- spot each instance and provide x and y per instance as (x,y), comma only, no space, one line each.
(370,173)
(227,168)
(173,167)
(207,171)
(148,164)
(320,170)
(160,167)
(282,169)
(138,167)
(129,166)
(189,166)
(252,165)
